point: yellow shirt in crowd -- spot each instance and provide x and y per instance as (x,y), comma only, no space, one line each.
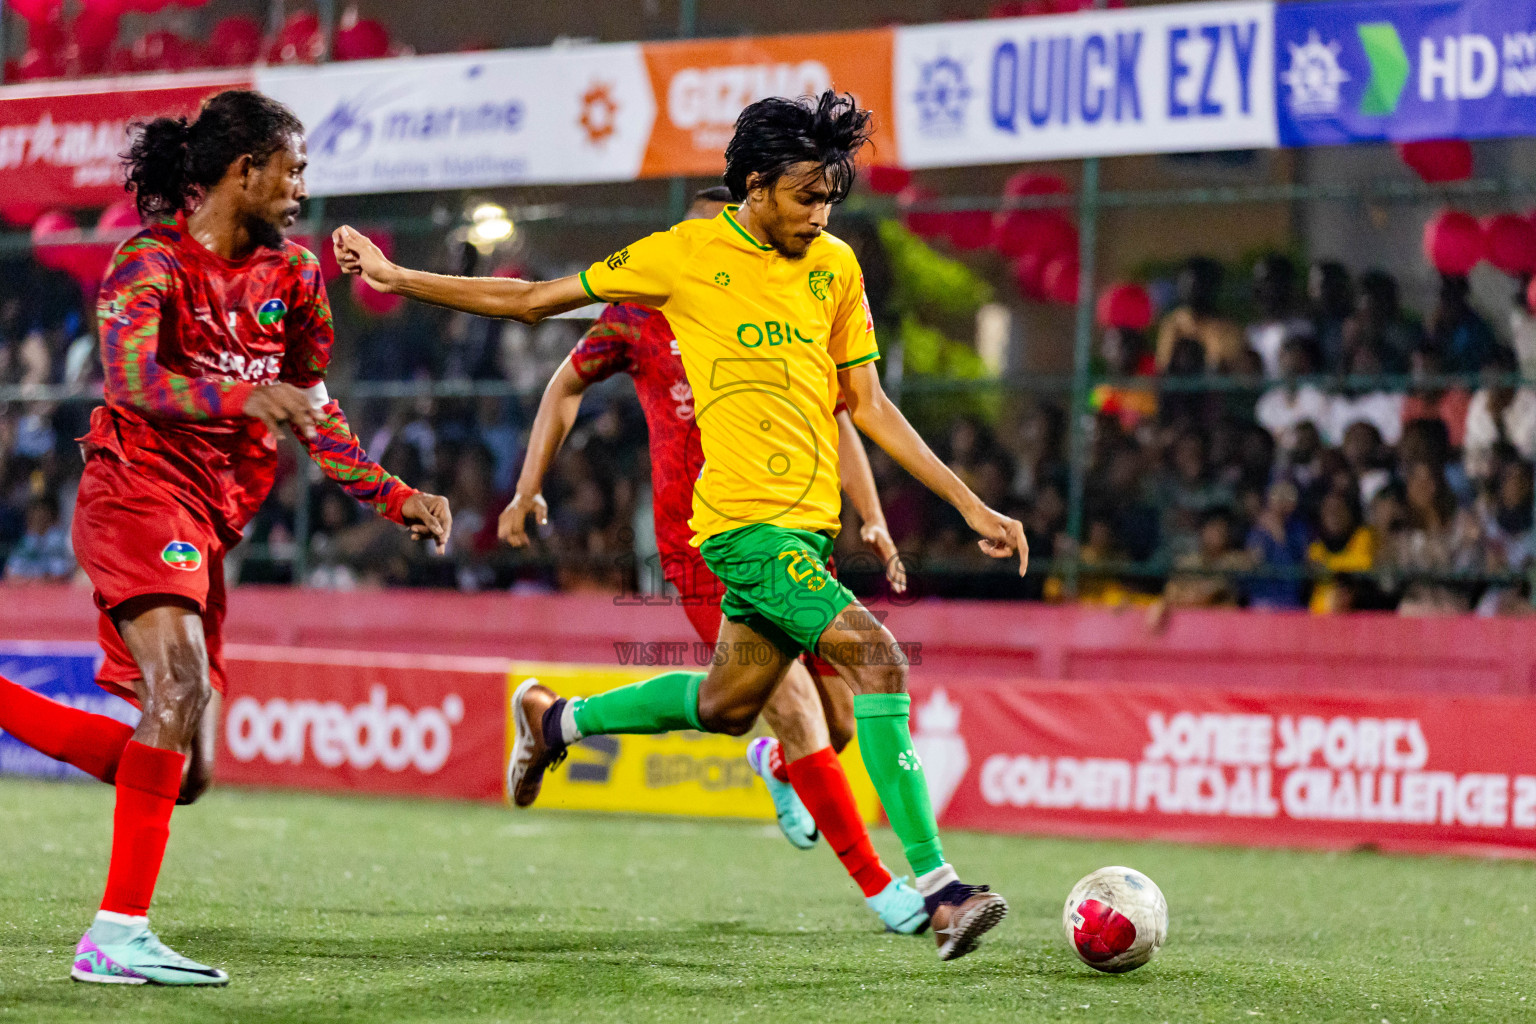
(1357,555)
(762,338)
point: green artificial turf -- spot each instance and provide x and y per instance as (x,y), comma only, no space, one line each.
(356,909)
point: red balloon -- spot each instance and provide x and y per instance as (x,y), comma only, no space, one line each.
(54,222)
(1453,242)
(47,34)
(1438,160)
(1030,183)
(923,224)
(377,303)
(1061,280)
(235,41)
(969,229)
(1510,242)
(364,39)
(1029,274)
(22,214)
(36,12)
(94,30)
(46,232)
(886,179)
(119,220)
(1016,232)
(300,41)
(1126,306)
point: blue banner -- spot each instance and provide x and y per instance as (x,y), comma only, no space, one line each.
(63,672)
(1400,71)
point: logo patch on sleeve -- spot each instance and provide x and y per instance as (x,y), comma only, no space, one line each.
(820,280)
(270,312)
(178,554)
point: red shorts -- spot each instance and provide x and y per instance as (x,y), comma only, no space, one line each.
(700,593)
(132,538)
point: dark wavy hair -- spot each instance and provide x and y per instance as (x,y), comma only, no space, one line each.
(171,160)
(775,133)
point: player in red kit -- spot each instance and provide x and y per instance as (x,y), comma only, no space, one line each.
(215,333)
(812,722)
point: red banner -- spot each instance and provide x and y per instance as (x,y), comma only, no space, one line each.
(400,724)
(61,144)
(1248,767)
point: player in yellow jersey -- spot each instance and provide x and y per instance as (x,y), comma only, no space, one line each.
(772,323)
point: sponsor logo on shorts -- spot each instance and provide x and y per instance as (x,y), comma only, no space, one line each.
(178,554)
(270,312)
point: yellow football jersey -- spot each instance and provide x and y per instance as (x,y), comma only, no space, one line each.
(762,338)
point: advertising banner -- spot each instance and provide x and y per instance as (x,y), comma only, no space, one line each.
(398,724)
(1356,72)
(61,143)
(1247,767)
(1169,79)
(689,773)
(701,86)
(479,119)
(64,672)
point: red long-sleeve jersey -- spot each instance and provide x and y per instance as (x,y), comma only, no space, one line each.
(186,335)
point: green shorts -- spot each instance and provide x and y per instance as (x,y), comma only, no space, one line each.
(777,581)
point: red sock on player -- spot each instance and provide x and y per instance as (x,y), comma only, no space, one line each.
(92,743)
(821,785)
(148,780)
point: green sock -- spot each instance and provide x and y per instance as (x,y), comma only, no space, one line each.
(885,742)
(659,704)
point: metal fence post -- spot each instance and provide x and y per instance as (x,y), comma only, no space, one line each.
(1082,354)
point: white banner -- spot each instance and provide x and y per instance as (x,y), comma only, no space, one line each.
(1189,77)
(467,120)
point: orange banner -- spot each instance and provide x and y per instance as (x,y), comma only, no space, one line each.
(702,85)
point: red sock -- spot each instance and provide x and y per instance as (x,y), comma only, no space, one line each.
(92,743)
(821,785)
(148,780)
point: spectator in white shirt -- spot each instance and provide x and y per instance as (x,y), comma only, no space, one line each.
(1498,413)
(1287,405)
(1274,291)
(1381,409)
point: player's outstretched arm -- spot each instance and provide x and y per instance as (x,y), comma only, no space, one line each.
(859,482)
(556,415)
(336,451)
(877,416)
(503,297)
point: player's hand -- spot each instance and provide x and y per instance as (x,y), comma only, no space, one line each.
(512,527)
(1001,537)
(878,540)
(428,515)
(278,403)
(356,254)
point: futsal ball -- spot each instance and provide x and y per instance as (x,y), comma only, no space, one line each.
(1116,919)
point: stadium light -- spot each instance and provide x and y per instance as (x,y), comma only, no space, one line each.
(489,226)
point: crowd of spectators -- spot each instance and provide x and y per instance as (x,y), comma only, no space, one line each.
(1317,456)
